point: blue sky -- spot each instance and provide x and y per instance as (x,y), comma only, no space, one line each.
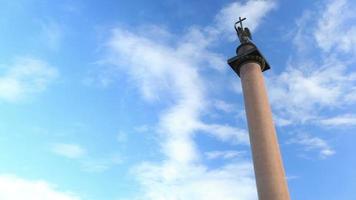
(120,100)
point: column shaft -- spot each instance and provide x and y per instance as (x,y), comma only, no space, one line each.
(268,166)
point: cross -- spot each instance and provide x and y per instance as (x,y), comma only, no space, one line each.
(240,22)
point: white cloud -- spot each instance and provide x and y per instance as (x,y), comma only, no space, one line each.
(15,188)
(254,11)
(311,143)
(236,86)
(281,121)
(25,77)
(224,154)
(169,70)
(72,151)
(330,27)
(224,106)
(142,128)
(319,77)
(102,164)
(87,162)
(302,34)
(227,133)
(334,30)
(342,120)
(298,96)
(196,182)
(52,33)
(121,137)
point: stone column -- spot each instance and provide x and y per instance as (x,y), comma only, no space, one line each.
(268,166)
(249,63)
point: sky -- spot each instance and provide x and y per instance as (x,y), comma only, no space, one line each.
(134,100)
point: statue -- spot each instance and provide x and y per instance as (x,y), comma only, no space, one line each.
(244,34)
(247,50)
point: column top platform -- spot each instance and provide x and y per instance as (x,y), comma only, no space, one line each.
(247,52)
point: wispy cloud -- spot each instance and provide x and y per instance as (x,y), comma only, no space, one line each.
(255,11)
(224,106)
(298,95)
(16,188)
(341,120)
(142,128)
(311,143)
(227,133)
(319,76)
(52,33)
(224,154)
(122,137)
(169,66)
(97,165)
(172,181)
(87,162)
(72,151)
(338,15)
(24,77)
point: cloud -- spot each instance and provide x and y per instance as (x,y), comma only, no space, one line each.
(167,69)
(227,133)
(98,165)
(25,77)
(341,120)
(299,96)
(223,154)
(311,143)
(319,76)
(233,181)
(281,121)
(121,137)
(142,128)
(72,151)
(15,188)
(224,106)
(52,33)
(335,30)
(319,80)
(87,162)
(254,11)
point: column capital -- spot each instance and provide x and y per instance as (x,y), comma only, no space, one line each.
(247,52)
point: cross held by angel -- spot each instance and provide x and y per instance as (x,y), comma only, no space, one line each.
(244,34)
